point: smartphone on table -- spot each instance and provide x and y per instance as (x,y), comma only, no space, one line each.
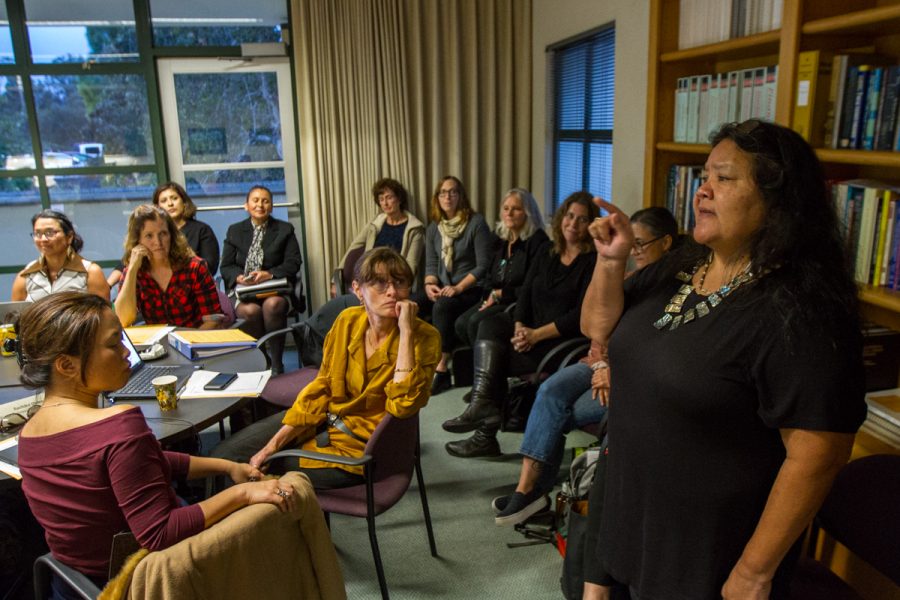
(220,381)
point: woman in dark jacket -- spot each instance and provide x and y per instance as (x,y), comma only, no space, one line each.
(547,311)
(522,236)
(256,250)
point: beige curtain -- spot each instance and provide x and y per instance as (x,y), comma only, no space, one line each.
(409,89)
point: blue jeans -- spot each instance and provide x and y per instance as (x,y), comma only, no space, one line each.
(563,402)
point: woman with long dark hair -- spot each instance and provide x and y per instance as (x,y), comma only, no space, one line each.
(738,382)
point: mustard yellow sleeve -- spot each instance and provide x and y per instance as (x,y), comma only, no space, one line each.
(406,397)
(312,401)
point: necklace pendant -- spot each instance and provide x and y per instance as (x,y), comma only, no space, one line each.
(689,315)
(676,322)
(702,309)
(682,276)
(714,299)
(663,321)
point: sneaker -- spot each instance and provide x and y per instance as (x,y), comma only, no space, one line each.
(521,506)
(499,503)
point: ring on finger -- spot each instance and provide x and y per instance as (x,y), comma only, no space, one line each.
(282,493)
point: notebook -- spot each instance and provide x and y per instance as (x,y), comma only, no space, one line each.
(139,386)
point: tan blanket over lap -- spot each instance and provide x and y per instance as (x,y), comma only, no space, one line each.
(256,552)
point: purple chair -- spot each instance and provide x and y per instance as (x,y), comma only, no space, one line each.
(391,456)
(862,512)
(282,390)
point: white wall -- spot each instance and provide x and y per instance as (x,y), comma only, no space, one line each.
(557,20)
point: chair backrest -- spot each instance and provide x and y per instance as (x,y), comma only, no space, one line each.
(393,447)
(862,511)
(347,267)
(227,308)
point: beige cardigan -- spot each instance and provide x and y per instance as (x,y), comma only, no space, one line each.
(413,240)
(256,552)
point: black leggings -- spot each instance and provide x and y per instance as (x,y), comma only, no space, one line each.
(445,311)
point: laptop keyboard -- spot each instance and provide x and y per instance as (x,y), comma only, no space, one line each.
(140,382)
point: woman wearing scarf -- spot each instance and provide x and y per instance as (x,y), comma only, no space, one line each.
(256,250)
(458,250)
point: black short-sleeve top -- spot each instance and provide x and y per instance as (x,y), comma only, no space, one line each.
(694,419)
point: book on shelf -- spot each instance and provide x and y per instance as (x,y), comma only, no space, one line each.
(868,213)
(887,109)
(810,109)
(873,100)
(682,183)
(709,21)
(883,419)
(205,343)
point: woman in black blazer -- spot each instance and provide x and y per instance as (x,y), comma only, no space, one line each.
(276,255)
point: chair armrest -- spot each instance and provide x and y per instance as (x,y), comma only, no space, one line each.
(238,323)
(278,332)
(322,457)
(580,349)
(45,566)
(337,279)
(558,349)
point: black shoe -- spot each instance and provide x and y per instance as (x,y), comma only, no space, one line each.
(477,414)
(499,503)
(522,506)
(277,370)
(477,445)
(467,397)
(441,382)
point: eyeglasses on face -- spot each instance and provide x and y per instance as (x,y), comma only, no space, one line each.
(381,285)
(639,245)
(14,421)
(577,218)
(45,234)
(446,193)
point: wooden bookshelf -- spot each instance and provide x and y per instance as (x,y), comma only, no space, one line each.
(805,25)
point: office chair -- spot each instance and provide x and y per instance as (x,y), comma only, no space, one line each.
(391,456)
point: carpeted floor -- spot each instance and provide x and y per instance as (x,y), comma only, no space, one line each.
(474,561)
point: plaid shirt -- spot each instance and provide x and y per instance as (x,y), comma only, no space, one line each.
(191,293)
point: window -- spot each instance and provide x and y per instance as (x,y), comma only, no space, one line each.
(81,125)
(583,74)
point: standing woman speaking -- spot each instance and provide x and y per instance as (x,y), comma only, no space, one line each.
(256,250)
(738,380)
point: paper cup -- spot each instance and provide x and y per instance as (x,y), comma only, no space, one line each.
(165,392)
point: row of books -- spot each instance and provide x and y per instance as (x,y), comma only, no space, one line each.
(681,186)
(870,217)
(709,21)
(704,102)
(848,101)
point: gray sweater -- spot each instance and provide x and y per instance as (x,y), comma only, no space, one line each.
(472,252)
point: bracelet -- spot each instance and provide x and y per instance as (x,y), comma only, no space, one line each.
(495,296)
(399,370)
(600,364)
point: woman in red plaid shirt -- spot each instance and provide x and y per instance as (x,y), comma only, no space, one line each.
(163,280)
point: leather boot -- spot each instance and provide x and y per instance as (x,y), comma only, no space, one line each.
(489,367)
(482,443)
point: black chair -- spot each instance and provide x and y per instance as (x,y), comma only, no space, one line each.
(862,512)
(46,566)
(342,277)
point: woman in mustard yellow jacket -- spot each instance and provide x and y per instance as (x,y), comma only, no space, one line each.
(378,358)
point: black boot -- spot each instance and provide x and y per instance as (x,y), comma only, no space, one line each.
(489,380)
(482,443)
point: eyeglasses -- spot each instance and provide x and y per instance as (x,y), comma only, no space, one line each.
(46,234)
(14,421)
(445,193)
(381,286)
(639,246)
(577,218)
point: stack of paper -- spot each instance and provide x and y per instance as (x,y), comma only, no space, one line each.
(205,343)
(247,385)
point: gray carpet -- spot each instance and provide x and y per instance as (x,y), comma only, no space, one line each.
(474,561)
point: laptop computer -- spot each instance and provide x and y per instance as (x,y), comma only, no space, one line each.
(10,311)
(139,386)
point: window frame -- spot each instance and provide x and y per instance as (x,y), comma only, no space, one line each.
(585,136)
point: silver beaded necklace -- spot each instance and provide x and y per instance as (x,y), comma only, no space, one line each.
(672,317)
